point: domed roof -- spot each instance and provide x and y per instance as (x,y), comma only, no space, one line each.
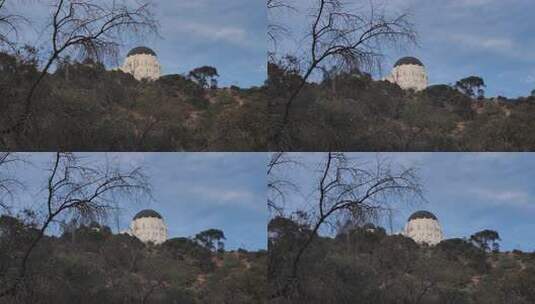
(141,50)
(408,60)
(422,214)
(147,213)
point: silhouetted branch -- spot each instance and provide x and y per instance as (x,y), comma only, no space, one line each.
(278,186)
(87,28)
(339,37)
(8,183)
(275,29)
(363,192)
(75,190)
(8,25)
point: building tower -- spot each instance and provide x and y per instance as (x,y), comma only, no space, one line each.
(142,63)
(409,73)
(423,227)
(148,226)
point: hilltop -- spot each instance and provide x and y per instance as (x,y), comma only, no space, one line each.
(363,266)
(92,265)
(83,106)
(350,111)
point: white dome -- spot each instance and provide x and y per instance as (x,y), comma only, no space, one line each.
(148,226)
(409,73)
(142,63)
(423,227)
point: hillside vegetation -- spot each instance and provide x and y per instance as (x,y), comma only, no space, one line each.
(92,265)
(368,266)
(352,112)
(83,106)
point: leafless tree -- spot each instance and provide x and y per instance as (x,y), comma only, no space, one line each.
(274,4)
(339,36)
(346,188)
(276,29)
(8,25)
(87,29)
(278,186)
(75,190)
(8,183)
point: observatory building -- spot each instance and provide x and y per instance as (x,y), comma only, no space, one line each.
(148,226)
(142,63)
(409,73)
(423,227)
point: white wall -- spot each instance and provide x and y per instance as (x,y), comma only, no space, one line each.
(149,229)
(142,66)
(424,230)
(409,76)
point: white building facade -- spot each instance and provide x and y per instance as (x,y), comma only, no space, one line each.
(148,226)
(423,227)
(142,63)
(409,73)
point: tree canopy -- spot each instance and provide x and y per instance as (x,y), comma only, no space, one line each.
(90,264)
(86,107)
(350,111)
(361,265)
(471,86)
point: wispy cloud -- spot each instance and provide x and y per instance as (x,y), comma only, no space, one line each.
(470,3)
(467,191)
(517,198)
(228,34)
(223,195)
(192,191)
(500,44)
(458,38)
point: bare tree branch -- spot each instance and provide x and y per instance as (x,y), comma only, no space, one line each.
(339,37)
(88,29)
(77,191)
(276,29)
(8,25)
(8,183)
(348,189)
(278,186)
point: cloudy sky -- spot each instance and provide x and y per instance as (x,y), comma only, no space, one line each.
(192,191)
(459,38)
(468,192)
(229,35)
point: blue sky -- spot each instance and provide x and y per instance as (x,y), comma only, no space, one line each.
(468,192)
(230,35)
(458,38)
(192,191)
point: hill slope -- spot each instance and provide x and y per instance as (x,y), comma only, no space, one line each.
(83,107)
(91,265)
(353,112)
(363,267)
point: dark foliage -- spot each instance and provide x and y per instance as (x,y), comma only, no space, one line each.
(84,107)
(353,112)
(89,264)
(364,265)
